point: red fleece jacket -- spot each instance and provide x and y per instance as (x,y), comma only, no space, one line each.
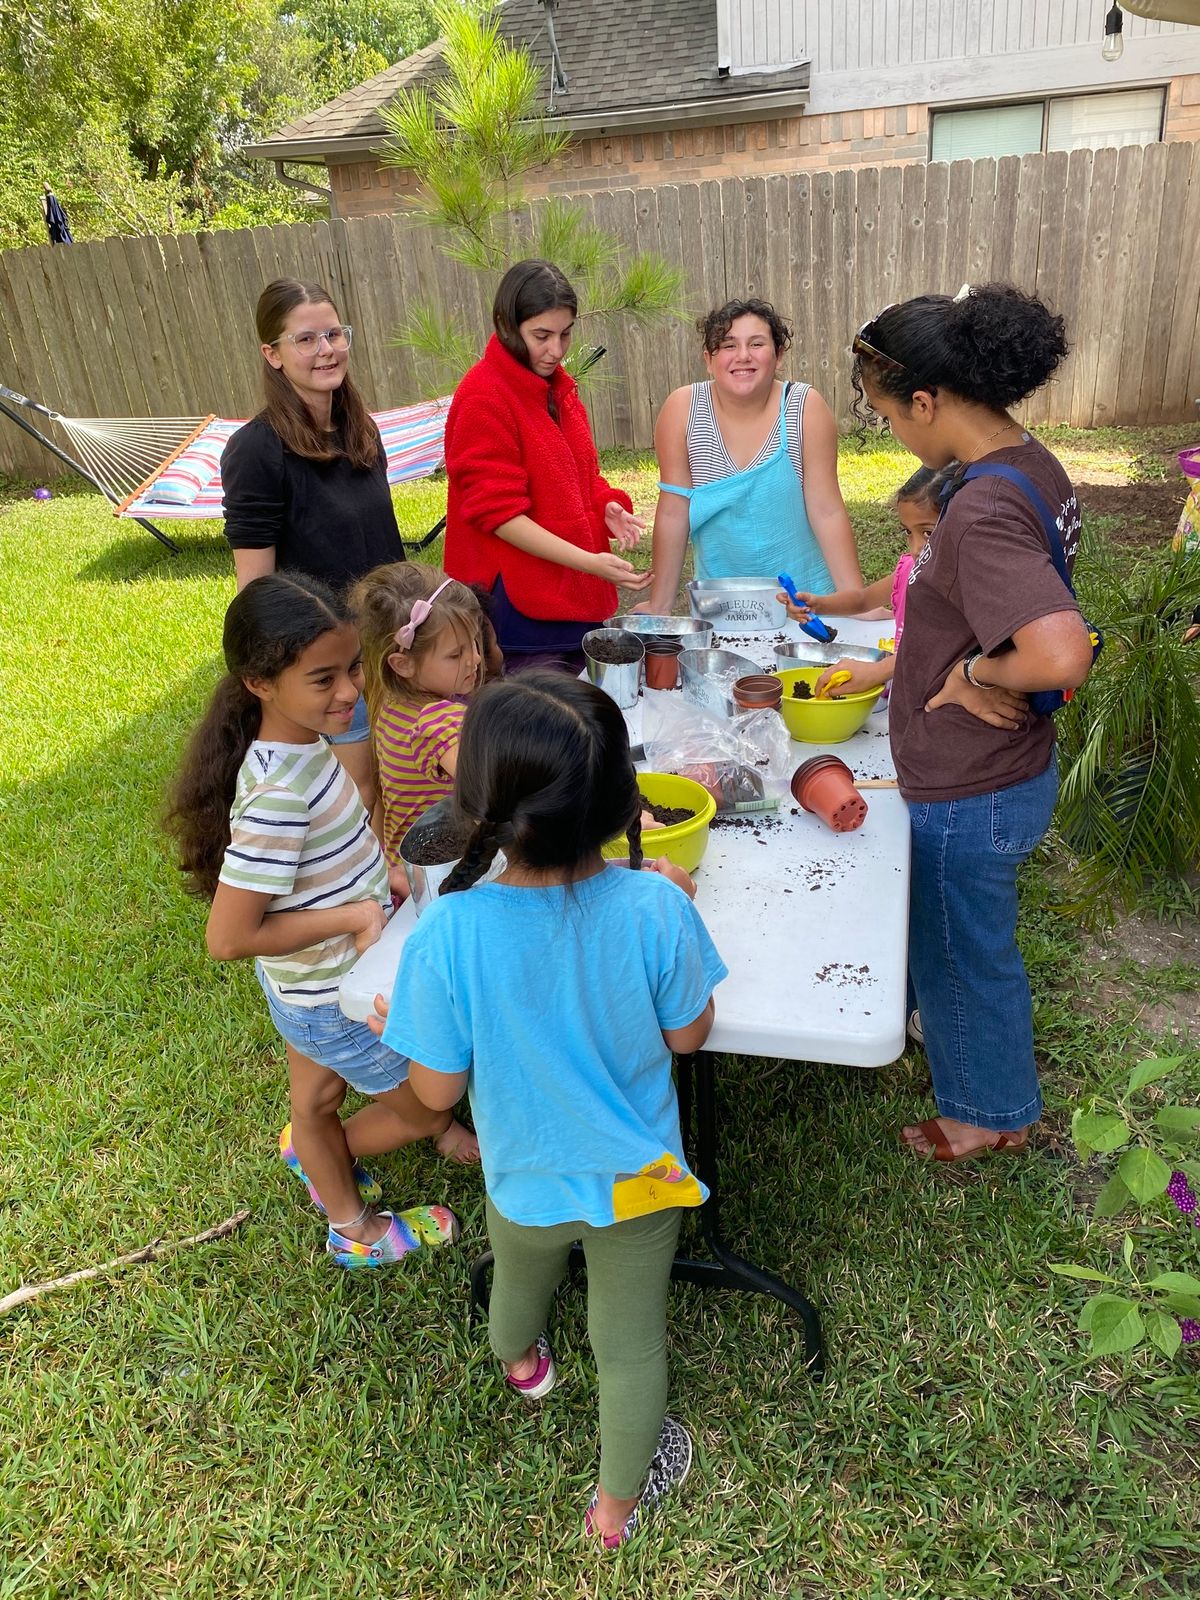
(506,456)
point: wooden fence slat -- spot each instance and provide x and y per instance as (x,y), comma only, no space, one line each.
(823,272)
(757,281)
(910,264)
(956,266)
(1050,258)
(845,185)
(19,454)
(676,337)
(997,265)
(937,211)
(981,234)
(866,296)
(1161,292)
(1181,377)
(800,278)
(1092,267)
(1118,283)
(891,239)
(1137,307)
(1023,263)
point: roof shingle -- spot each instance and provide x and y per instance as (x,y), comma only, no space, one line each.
(619,56)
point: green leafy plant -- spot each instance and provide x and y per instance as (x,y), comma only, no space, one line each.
(1129,740)
(471,140)
(1154,1174)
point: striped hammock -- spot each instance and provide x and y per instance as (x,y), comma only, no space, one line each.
(187,485)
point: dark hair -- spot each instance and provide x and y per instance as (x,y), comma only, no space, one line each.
(714,327)
(285,411)
(926,484)
(268,626)
(994,346)
(527,289)
(544,774)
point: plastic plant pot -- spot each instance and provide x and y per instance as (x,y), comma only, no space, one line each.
(684,843)
(759,691)
(824,785)
(662,663)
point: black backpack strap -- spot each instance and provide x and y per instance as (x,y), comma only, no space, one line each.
(1022,481)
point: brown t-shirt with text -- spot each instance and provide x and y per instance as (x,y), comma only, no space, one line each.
(985,572)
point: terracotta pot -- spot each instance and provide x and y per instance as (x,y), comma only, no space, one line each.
(758,691)
(662,663)
(825,786)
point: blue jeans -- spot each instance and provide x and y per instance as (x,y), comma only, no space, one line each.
(967,975)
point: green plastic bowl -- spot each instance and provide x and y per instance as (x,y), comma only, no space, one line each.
(823,721)
(684,843)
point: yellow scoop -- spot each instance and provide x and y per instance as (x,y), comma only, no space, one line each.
(835,682)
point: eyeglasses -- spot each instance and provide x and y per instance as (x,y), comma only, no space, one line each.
(860,345)
(309,343)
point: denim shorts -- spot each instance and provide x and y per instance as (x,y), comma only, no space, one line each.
(326,1035)
(359,729)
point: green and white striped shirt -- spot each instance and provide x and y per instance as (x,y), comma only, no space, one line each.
(299,832)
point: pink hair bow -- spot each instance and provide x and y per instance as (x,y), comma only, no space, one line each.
(420,613)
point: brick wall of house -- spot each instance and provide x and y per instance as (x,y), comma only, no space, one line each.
(741,149)
(1183,108)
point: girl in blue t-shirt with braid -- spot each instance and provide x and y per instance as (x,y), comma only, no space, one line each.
(555,995)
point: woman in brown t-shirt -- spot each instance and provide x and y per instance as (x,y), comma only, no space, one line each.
(985,606)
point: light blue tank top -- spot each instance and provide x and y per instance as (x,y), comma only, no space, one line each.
(754,522)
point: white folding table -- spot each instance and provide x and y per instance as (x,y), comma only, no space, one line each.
(813,927)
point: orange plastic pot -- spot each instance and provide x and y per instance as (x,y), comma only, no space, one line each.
(758,691)
(825,786)
(662,663)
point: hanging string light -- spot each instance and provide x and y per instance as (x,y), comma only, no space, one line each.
(1114,43)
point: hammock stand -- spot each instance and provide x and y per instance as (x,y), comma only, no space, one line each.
(169,468)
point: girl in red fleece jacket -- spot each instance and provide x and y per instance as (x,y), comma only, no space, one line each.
(529,516)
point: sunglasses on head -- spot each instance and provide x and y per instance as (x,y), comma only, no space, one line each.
(860,345)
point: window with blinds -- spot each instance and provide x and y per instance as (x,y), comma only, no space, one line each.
(1091,121)
(1072,122)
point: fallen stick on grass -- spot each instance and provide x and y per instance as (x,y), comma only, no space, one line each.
(148,1252)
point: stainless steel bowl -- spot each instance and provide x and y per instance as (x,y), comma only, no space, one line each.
(707,678)
(737,605)
(694,631)
(425,882)
(812,653)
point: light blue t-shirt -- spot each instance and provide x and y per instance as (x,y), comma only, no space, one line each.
(556,1000)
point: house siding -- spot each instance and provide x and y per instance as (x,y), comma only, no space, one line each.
(876,136)
(872,35)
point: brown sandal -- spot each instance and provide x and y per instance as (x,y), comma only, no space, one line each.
(944,1152)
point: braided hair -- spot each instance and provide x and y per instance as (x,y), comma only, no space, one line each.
(544,774)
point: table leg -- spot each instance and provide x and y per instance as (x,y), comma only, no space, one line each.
(727,1270)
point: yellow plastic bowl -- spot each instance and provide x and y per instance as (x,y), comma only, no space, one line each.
(684,843)
(823,721)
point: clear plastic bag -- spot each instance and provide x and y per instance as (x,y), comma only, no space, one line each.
(744,762)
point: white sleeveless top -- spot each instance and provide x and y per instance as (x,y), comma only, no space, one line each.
(709,460)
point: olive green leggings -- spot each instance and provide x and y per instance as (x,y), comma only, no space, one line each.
(628,1270)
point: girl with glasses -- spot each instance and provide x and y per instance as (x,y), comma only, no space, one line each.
(306,479)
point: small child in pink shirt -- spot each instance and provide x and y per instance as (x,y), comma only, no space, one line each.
(918,506)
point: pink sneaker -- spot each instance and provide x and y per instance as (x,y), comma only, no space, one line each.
(543,1377)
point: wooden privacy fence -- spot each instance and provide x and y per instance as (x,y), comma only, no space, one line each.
(1111,239)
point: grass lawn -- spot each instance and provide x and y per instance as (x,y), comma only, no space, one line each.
(243,1420)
